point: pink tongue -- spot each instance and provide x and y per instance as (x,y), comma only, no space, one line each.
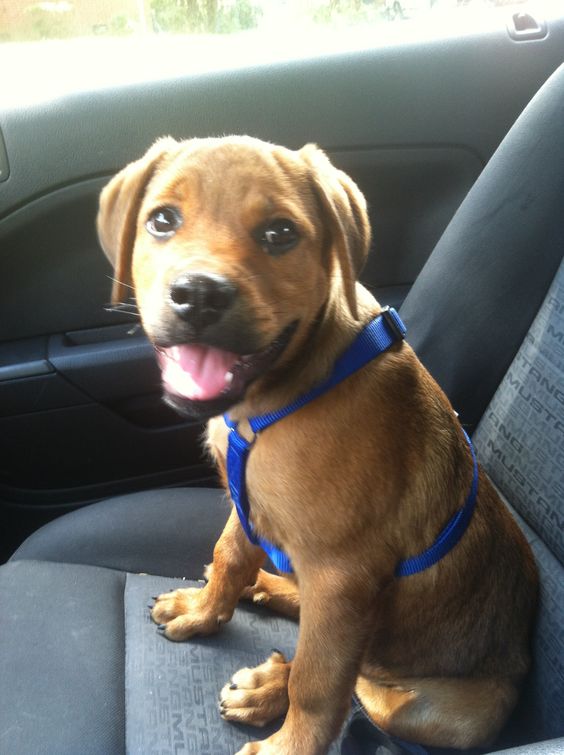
(196,372)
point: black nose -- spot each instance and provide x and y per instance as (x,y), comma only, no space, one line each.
(201,298)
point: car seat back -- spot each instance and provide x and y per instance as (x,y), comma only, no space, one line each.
(520,444)
(486,316)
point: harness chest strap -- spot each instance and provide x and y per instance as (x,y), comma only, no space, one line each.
(373,340)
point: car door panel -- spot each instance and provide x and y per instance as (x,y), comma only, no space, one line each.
(412,193)
(100,451)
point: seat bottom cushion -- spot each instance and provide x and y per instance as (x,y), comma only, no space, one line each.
(83,666)
(172,688)
(62,672)
(85,670)
(170,532)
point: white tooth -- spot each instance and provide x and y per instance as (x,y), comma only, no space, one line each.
(175,353)
(228,378)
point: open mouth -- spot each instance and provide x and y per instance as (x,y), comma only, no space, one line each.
(205,380)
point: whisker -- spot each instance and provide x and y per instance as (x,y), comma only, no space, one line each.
(123,309)
(121,283)
(130,303)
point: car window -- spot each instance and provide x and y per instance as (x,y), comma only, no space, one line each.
(64,45)
(63,19)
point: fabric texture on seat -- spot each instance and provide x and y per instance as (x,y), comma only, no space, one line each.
(538,715)
(62,664)
(519,443)
(520,438)
(172,688)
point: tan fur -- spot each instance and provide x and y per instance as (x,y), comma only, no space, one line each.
(281,594)
(364,476)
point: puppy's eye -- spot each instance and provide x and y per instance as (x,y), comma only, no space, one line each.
(164,222)
(278,236)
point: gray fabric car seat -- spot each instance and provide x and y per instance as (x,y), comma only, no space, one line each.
(82,669)
(520,444)
(496,281)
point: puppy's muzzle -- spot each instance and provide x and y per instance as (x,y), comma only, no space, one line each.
(201,299)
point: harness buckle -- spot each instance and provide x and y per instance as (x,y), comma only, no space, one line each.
(394,322)
(234,431)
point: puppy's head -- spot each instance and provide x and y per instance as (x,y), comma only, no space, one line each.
(234,248)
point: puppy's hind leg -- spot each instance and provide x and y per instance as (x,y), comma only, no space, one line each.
(278,593)
(440,712)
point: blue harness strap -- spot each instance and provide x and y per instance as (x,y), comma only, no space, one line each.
(237,454)
(373,340)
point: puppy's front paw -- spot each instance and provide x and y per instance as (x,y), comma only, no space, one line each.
(181,614)
(259,695)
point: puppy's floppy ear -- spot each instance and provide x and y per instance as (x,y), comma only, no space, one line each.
(345,208)
(120,202)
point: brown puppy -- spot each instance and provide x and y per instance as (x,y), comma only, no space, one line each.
(244,257)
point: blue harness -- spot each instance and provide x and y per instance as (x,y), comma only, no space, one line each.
(373,340)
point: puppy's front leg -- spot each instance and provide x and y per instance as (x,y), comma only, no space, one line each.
(334,621)
(184,613)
